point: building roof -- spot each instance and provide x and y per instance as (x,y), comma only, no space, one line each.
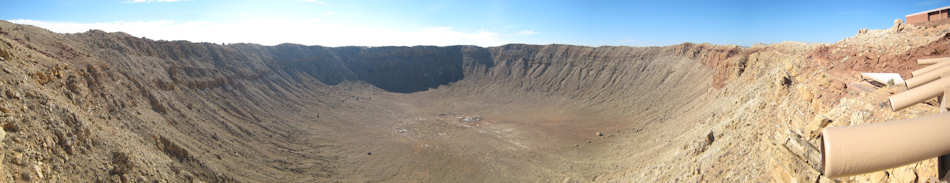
(928,11)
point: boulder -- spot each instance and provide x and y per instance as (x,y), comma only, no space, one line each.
(898,25)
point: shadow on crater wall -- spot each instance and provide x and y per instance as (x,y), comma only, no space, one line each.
(394,69)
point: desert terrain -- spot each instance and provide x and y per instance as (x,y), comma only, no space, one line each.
(113,107)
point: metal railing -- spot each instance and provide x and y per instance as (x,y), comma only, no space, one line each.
(852,150)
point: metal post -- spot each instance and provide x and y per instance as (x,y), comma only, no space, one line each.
(943,162)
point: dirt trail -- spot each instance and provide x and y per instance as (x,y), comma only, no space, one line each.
(103,106)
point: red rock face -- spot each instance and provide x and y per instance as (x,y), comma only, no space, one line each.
(897,62)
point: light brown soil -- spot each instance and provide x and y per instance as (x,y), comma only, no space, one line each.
(111,107)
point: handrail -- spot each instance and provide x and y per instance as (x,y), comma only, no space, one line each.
(929,68)
(932,60)
(919,94)
(871,147)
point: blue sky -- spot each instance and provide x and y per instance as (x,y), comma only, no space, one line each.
(468,22)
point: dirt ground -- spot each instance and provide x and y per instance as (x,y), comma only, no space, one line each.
(112,107)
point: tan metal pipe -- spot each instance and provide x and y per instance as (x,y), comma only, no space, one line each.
(926,77)
(929,68)
(932,60)
(913,96)
(871,147)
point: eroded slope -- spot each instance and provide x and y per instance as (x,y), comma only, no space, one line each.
(113,107)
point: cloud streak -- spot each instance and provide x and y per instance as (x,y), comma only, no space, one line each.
(277,31)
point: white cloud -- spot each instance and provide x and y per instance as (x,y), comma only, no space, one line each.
(157,1)
(276,31)
(329,13)
(527,32)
